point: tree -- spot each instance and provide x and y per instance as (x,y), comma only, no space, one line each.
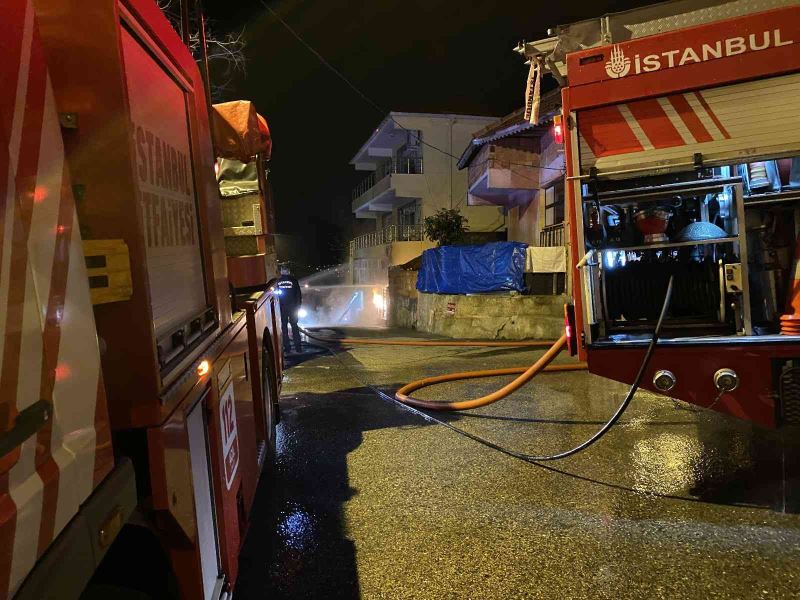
(447,227)
(225,51)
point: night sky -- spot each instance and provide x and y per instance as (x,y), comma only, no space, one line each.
(410,55)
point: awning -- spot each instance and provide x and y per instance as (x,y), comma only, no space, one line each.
(239,131)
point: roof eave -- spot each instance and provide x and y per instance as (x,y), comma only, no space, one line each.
(371,139)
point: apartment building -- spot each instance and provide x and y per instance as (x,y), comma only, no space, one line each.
(412,171)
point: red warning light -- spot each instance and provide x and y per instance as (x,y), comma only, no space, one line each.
(558,129)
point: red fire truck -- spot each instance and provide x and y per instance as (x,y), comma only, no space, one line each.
(682,152)
(136,406)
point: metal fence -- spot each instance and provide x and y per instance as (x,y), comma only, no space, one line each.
(387,235)
(405,166)
(552,235)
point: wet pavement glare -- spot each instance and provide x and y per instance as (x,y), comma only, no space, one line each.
(369,500)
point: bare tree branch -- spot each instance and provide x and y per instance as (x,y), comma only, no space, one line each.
(225,51)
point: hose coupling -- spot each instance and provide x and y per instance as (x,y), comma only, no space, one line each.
(664,380)
(726,380)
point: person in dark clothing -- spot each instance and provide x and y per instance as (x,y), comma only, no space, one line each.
(290,297)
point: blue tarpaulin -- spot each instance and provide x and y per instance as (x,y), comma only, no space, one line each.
(494,267)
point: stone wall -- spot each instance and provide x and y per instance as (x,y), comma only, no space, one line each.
(480,316)
(403,296)
(491,316)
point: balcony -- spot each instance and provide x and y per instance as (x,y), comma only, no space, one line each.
(393,183)
(387,235)
(510,172)
(552,235)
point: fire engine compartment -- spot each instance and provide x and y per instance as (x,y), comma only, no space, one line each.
(727,234)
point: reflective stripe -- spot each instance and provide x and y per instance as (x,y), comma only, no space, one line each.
(689,117)
(636,128)
(48,349)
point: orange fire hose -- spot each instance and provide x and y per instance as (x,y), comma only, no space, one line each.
(526,373)
(476,344)
(543,364)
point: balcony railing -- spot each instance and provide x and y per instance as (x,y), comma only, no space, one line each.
(405,166)
(552,235)
(387,235)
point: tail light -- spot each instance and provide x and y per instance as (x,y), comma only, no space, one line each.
(569,329)
(558,129)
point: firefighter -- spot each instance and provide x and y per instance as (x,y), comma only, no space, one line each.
(290,298)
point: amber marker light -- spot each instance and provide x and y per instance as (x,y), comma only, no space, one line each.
(203,368)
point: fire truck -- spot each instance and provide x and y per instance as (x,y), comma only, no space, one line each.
(681,125)
(138,393)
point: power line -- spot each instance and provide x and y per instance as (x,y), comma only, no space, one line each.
(361,94)
(321,58)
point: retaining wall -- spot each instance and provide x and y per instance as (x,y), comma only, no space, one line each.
(479,316)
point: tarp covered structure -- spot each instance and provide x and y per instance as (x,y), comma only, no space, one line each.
(494,267)
(239,131)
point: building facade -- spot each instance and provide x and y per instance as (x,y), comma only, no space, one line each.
(519,167)
(412,165)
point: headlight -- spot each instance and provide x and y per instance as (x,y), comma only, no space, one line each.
(302,313)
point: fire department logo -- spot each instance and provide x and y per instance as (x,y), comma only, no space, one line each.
(618,65)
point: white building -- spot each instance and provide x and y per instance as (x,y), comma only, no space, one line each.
(412,163)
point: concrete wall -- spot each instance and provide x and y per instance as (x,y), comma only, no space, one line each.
(491,316)
(482,316)
(523,223)
(403,297)
(370,265)
(446,186)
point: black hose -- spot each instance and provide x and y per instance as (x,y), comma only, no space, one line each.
(631,392)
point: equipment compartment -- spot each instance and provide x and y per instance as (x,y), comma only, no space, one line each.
(728,241)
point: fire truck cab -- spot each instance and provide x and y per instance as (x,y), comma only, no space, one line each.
(682,149)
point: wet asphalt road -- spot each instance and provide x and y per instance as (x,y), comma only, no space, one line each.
(369,500)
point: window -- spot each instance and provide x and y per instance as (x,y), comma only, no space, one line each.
(554,204)
(408,214)
(409,155)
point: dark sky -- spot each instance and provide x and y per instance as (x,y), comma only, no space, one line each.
(406,55)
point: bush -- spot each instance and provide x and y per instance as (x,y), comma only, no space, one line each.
(446,227)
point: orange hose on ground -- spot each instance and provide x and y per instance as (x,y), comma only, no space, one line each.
(526,375)
(476,343)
